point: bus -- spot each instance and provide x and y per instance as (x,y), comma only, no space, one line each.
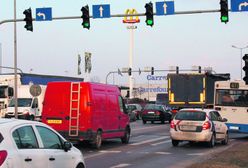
(231,100)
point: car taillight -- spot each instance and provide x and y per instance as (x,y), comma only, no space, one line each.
(3,156)
(206,125)
(172,124)
(157,113)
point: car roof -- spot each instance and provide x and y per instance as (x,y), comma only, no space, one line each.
(197,109)
(10,122)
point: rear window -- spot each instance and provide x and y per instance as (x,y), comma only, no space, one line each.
(1,138)
(191,115)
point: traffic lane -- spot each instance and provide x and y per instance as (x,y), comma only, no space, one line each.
(146,150)
(155,153)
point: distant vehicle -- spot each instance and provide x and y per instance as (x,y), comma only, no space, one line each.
(33,144)
(198,125)
(7,85)
(192,90)
(154,112)
(136,109)
(29,101)
(162,98)
(84,111)
(231,100)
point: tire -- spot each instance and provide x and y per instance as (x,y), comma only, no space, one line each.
(80,165)
(162,122)
(144,122)
(226,140)
(152,122)
(175,142)
(31,117)
(211,143)
(125,139)
(98,140)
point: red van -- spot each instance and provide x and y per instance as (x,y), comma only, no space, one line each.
(86,111)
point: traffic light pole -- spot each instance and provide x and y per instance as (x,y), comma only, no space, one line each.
(116,15)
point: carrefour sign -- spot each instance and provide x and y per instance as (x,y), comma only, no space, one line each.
(156,89)
(155,78)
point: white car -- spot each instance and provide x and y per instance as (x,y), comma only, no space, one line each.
(198,125)
(30,144)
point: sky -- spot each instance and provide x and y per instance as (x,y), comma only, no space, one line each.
(174,40)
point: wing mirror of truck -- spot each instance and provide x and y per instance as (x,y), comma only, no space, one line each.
(224,120)
(10,91)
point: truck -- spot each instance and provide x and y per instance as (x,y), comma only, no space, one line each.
(29,101)
(7,85)
(194,90)
(85,111)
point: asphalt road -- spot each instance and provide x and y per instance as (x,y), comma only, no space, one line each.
(150,147)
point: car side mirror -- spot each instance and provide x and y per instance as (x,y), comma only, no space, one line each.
(67,146)
(224,120)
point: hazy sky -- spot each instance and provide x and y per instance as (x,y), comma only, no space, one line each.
(175,40)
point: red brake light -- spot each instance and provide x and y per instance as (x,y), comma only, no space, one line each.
(172,124)
(157,113)
(206,125)
(3,156)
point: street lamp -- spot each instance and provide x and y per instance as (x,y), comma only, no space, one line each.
(241,55)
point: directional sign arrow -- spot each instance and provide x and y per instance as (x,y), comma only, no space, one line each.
(101,11)
(244,4)
(165,8)
(42,14)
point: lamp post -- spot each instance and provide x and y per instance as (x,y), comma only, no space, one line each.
(241,55)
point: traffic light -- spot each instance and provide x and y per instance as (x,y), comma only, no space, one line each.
(149,14)
(28,19)
(86,17)
(245,68)
(129,71)
(224,11)
(152,71)
(177,70)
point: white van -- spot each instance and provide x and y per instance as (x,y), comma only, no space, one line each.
(30,102)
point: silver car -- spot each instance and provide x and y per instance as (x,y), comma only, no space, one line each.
(198,125)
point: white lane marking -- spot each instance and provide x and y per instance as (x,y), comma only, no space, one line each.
(109,151)
(163,153)
(143,128)
(159,143)
(195,154)
(121,165)
(148,141)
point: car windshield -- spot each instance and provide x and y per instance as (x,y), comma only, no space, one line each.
(22,102)
(131,107)
(191,115)
(153,107)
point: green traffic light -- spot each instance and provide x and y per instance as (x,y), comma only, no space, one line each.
(149,22)
(224,19)
(86,25)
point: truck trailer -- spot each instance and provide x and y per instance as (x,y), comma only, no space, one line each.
(194,90)
(7,85)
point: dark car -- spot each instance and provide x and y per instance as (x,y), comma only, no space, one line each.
(155,112)
(136,109)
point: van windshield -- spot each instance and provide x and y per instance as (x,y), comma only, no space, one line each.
(191,115)
(22,102)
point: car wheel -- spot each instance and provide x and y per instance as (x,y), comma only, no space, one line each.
(31,117)
(175,142)
(125,139)
(225,141)
(162,121)
(80,165)
(211,143)
(152,122)
(98,140)
(144,122)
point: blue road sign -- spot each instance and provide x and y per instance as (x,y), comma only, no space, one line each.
(165,8)
(239,5)
(43,14)
(101,11)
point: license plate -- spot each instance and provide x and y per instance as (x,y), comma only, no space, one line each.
(54,121)
(150,112)
(234,128)
(187,128)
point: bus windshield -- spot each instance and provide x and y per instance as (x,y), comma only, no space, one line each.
(229,97)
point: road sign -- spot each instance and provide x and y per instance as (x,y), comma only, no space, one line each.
(165,8)
(101,11)
(43,14)
(239,5)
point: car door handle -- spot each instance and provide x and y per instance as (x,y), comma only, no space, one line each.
(28,160)
(51,159)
